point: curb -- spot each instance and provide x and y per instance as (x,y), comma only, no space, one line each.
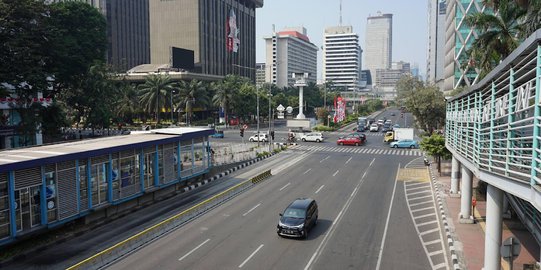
(450,241)
(222,174)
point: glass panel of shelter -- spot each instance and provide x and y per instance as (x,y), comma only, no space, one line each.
(27,207)
(4,206)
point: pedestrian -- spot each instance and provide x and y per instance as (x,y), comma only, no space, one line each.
(473,204)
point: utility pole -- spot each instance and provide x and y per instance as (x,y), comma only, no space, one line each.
(257,97)
(270,120)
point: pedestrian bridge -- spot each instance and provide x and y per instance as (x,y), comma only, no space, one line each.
(493,132)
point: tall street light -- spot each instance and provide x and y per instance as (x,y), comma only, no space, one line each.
(270,120)
(257,98)
(172,92)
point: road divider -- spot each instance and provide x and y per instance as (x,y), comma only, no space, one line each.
(113,253)
(262,176)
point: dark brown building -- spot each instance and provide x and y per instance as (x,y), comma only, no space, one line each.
(220,32)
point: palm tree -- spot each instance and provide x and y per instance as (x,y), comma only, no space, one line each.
(498,36)
(154,92)
(226,91)
(532,19)
(193,92)
(127,104)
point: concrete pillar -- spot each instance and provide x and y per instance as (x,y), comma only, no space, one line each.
(466,196)
(455,169)
(493,234)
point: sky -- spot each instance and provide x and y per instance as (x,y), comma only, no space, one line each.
(410,19)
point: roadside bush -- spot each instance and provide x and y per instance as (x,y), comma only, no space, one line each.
(323,128)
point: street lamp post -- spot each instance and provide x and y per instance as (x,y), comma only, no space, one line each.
(270,120)
(257,98)
(172,92)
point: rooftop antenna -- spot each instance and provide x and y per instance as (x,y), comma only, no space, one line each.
(340,12)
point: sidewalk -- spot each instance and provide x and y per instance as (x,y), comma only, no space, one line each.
(469,239)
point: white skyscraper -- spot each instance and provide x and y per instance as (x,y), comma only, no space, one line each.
(342,57)
(378,43)
(290,51)
(436,41)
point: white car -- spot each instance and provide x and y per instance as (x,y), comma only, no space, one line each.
(374,127)
(312,137)
(262,138)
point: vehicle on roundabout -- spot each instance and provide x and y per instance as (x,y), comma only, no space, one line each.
(312,137)
(261,137)
(407,143)
(352,139)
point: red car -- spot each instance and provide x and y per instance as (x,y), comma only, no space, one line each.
(351,140)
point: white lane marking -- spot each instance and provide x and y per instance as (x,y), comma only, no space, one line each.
(422,209)
(349,160)
(191,251)
(378,265)
(429,231)
(288,164)
(251,255)
(326,238)
(307,171)
(319,189)
(335,172)
(285,186)
(253,208)
(324,159)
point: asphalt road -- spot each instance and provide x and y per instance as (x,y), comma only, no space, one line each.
(365,221)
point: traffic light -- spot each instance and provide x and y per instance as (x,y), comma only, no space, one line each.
(401,115)
(272,135)
(242,132)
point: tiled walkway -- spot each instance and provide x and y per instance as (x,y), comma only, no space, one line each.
(469,239)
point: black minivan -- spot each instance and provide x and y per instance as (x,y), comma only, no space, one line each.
(298,218)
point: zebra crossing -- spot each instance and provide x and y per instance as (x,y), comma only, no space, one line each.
(368,134)
(360,150)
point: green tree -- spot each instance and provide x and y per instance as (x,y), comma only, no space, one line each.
(153,93)
(24,58)
(226,92)
(532,19)
(498,35)
(95,97)
(246,101)
(426,103)
(127,105)
(192,93)
(434,145)
(78,41)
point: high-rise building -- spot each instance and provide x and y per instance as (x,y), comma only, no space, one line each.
(378,50)
(220,32)
(260,74)
(459,37)
(342,57)
(436,41)
(127,33)
(386,79)
(290,51)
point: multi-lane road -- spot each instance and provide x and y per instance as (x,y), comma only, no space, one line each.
(370,217)
(376,211)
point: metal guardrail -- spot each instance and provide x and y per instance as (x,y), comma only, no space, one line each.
(113,253)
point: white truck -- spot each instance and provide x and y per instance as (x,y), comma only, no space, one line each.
(398,134)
